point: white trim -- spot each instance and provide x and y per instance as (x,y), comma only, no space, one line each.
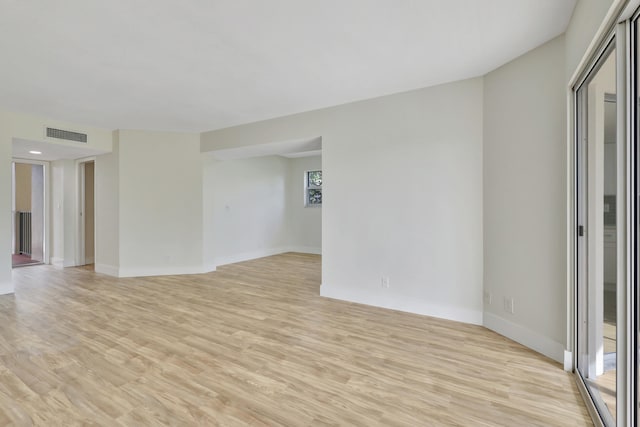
(624,387)
(526,337)
(246,256)
(14,247)
(305,250)
(79,213)
(209,268)
(6,288)
(609,21)
(71,263)
(109,270)
(57,262)
(629,9)
(261,253)
(382,298)
(159,271)
(568,361)
(570,221)
(46,187)
(205,268)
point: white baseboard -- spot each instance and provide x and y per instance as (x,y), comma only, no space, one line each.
(305,250)
(385,299)
(524,336)
(246,256)
(6,288)
(209,268)
(261,253)
(109,270)
(568,361)
(57,262)
(206,268)
(71,263)
(159,271)
(114,271)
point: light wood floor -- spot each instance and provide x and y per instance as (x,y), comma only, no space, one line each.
(254,344)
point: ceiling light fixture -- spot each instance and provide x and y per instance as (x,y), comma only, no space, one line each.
(35,152)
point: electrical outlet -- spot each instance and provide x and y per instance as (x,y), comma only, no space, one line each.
(487,297)
(508,305)
(385,282)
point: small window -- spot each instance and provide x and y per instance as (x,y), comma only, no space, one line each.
(313,188)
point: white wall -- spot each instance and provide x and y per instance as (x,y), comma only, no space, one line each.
(249,214)
(305,223)
(107,213)
(160,203)
(402,196)
(37,212)
(254,207)
(64,211)
(70,212)
(57,213)
(525,199)
(209,262)
(6,286)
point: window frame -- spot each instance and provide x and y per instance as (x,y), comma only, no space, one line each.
(308,186)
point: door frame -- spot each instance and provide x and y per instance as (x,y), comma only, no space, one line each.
(46,230)
(619,24)
(80,223)
(587,236)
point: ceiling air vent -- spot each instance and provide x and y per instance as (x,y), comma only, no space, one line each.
(66,135)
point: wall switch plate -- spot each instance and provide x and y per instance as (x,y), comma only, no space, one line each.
(508,305)
(487,297)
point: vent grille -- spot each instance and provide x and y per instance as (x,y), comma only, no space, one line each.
(67,135)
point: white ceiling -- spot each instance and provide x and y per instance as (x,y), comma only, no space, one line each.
(51,151)
(292,149)
(198,65)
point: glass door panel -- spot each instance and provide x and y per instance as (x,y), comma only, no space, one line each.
(596,245)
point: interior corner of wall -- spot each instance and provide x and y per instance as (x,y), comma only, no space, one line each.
(109,270)
(209,267)
(324,290)
(57,262)
(313,250)
(402,303)
(522,335)
(6,288)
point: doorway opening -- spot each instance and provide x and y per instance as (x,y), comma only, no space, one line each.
(86,214)
(28,214)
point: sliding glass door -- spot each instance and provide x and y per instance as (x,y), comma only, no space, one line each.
(596,245)
(633,295)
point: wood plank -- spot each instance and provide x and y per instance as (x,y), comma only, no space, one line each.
(255,344)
